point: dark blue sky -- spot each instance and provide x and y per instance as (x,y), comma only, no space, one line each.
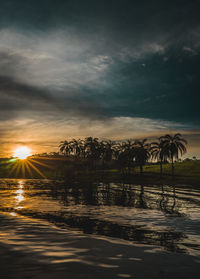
(114,68)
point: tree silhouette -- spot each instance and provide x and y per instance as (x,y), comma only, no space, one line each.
(158,152)
(93,150)
(65,147)
(174,145)
(126,154)
(141,153)
(76,147)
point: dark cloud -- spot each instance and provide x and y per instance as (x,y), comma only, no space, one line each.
(160,89)
(151,87)
(44,12)
(17,90)
(16,96)
(127,23)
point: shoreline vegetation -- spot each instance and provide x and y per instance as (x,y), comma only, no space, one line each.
(94,160)
(186,173)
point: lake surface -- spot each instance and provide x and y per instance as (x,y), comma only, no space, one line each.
(162,215)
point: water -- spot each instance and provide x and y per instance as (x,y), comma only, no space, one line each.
(162,215)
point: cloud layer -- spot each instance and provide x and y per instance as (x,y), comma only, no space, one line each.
(117,69)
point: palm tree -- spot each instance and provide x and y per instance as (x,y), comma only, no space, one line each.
(128,152)
(93,149)
(82,148)
(65,147)
(76,147)
(141,153)
(117,149)
(158,152)
(107,150)
(173,146)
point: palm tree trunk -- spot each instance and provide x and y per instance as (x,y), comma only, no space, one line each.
(172,166)
(141,169)
(161,168)
(129,167)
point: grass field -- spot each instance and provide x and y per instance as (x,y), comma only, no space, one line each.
(185,172)
(184,169)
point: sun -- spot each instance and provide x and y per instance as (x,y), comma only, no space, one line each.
(22,152)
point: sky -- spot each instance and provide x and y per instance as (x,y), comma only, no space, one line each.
(117,70)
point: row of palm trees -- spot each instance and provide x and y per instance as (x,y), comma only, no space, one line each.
(127,154)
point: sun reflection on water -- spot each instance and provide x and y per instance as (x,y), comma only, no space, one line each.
(19,194)
(20,183)
(13,214)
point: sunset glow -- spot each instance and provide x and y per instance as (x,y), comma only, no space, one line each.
(22,152)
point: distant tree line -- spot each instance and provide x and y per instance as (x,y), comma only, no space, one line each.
(127,154)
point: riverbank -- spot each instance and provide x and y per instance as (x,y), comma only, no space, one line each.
(72,170)
(36,249)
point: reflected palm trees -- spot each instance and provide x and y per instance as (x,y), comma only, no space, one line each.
(97,209)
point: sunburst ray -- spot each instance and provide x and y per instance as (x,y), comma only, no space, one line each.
(40,163)
(28,169)
(36,169)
